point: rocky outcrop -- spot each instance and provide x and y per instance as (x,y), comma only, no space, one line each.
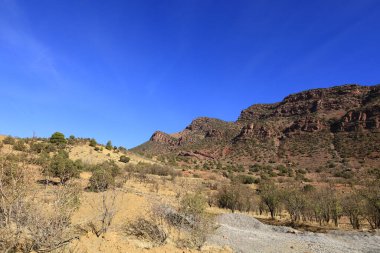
(306,124)
(303,124)
(196,154)
(257,112)
(251,130)
(163,138)
(359,120)
(322,101)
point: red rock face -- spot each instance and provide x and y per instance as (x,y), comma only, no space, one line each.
(307,124)
(163,138)
(367,119)
(313,101)
(309,121)
(255,131)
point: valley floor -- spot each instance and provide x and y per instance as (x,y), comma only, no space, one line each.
(242,233)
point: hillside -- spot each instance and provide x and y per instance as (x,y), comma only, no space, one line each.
(76,195)
(334,126)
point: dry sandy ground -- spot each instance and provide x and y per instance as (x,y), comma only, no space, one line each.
(88,155)
(243,233)
(132,201)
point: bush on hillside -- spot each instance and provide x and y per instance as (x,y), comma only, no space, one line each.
(71,140)
(37,147)
(93,143)
(124,159)
(58,138)
(101,180)
(63,167)
(103,176)
(109,145)
(19,146)
(235,197)
(146,230)
(9,140)
(193,204)
(244,179)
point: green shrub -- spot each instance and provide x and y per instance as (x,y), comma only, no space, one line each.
(122,149)
(193,204)
(244,179)
(124,159)
(109,145)
(271,197)
(93,143)
(63,167)
(9,140)
(57,138)
(155,169)
(43,159)
(19,145)
(234,197)
(308,188)
(111,167)
(37,147)
(103,176)
(50,148)
(71,140)
(101,180)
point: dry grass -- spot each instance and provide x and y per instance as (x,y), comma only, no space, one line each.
(89,156)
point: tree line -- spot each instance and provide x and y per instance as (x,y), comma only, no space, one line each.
(325,205)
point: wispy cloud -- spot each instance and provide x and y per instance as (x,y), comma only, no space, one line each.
(16,36)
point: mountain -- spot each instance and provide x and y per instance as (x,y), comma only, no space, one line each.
(313,128)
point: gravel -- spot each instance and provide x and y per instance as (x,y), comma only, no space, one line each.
(243,233)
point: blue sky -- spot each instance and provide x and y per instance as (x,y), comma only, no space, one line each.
(119,70)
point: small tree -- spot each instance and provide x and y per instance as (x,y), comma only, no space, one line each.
(353,207)
(124,159)
(71,140)
(62,167)
(93,143)
(104,176)
(271,197)
(109,145)
(58,138)
(371,194)
(295,203)
(235,197)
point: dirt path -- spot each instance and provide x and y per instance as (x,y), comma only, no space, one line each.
(246,234)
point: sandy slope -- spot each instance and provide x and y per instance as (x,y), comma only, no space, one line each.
(88,155)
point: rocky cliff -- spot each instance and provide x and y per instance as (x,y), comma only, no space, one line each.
(324,125)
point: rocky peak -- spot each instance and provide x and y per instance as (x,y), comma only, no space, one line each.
(164,138)
(342,120)
(204,124)
(326,100)
(256,112)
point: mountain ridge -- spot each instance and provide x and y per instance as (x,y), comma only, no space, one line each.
(324,124)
